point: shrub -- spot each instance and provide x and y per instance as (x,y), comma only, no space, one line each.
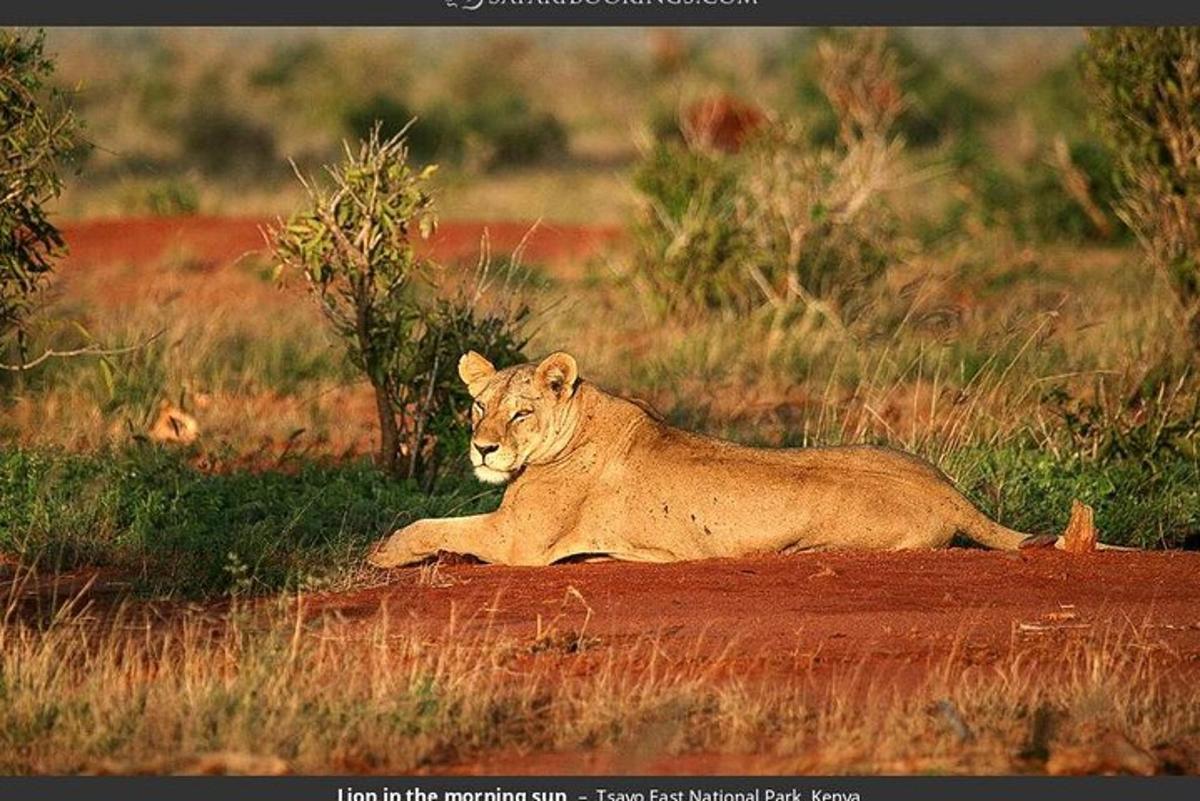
(354,246)
(160,198)
(817,229)
(1086,171)
(1063,192)
(220,139)
(939,105)
(436,135)
(781,220)
(1061,186)
(1146,85)
(503,129)
(692,247)
(287,62)
(38,133)
(491,121)
(513,132)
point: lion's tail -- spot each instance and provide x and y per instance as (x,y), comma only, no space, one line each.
(1078,537)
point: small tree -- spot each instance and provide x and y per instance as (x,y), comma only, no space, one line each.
(38,132)
(1146,85)
(354,244)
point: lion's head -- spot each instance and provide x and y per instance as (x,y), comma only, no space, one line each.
(522,415)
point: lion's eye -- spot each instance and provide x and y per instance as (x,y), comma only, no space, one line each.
(521,415)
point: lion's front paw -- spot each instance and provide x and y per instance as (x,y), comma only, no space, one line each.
(396,551)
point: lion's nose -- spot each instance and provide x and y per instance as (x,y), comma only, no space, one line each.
(484,450)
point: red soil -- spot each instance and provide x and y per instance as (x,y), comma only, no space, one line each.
(216,240)
(895,614)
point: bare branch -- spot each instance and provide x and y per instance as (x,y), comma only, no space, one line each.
(90,350)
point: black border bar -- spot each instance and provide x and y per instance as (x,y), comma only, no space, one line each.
(599,12)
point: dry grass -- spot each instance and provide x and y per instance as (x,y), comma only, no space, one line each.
(267,689)
(956,349)
(253,363)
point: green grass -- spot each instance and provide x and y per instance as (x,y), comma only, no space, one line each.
(177,530)
(1137,502)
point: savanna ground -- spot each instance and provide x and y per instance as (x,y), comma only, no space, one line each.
(204,606)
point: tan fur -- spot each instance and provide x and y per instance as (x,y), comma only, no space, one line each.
(592,474)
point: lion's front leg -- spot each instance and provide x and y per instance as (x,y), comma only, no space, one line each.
(479,536)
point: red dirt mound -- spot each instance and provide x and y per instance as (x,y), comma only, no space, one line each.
(896,614)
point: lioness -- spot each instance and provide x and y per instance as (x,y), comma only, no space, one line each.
(593,474)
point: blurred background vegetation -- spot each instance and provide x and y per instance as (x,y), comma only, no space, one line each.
(548,123)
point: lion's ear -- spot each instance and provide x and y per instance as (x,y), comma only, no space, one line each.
(474,370)
(558,373)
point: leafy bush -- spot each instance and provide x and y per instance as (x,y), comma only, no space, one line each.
(816,230)
(1061,187)
(692,246)
(1064,192)
(1146,85)
(38,133)
(941,105)
(490,121)
(780,221)
(353,244)
(1095,166)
